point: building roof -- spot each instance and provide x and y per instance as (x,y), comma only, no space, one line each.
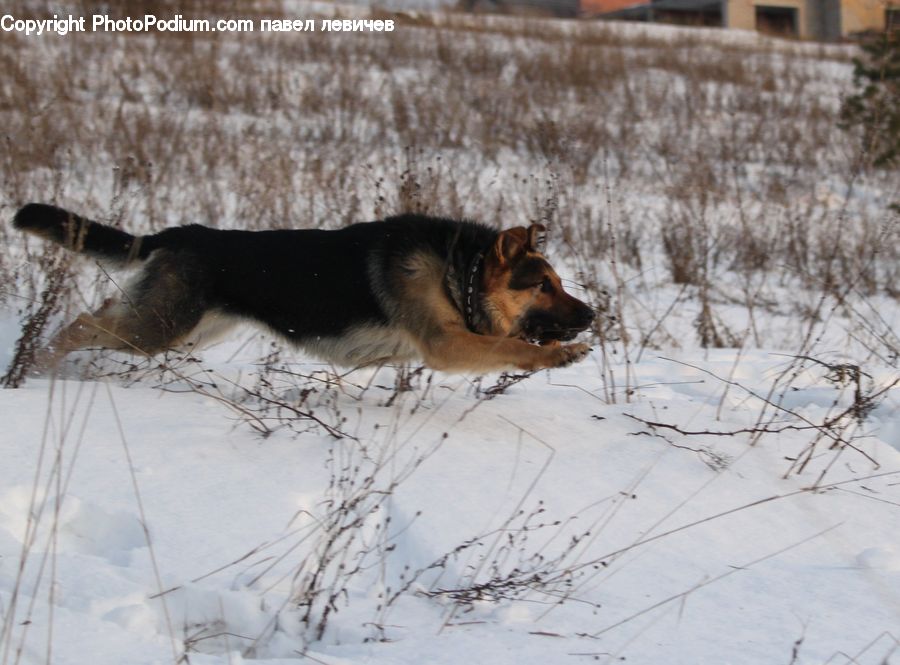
(643,10)
(687,5)
(607,6)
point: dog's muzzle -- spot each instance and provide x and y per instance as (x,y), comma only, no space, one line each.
(547,326)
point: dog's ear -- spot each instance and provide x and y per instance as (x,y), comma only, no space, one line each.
(535,237)
(517,240)
(510,244)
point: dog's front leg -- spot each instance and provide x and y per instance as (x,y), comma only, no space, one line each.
(464,351)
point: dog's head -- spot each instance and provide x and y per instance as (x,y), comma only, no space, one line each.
(524,296)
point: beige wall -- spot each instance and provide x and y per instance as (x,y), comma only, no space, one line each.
(856,15)
(859,15)
(742,13)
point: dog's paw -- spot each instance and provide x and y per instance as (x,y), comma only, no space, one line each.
(569,354)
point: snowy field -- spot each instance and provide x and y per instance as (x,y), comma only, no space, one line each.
(717,483)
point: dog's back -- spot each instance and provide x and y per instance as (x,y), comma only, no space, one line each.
(333,292)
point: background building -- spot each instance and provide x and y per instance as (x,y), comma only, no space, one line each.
(826,20)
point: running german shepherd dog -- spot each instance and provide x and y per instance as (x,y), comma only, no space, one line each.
(457,294)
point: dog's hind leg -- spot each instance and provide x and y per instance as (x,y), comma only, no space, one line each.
(163,306)
(96,329)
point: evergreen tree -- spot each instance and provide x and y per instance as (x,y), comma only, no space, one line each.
(876,105)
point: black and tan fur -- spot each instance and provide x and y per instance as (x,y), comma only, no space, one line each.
(458,295)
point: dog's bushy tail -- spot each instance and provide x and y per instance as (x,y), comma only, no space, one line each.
(79,234)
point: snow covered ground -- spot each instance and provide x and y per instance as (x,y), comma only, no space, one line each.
(543,525)
(664,501)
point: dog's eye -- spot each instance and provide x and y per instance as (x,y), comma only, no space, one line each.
(545,285)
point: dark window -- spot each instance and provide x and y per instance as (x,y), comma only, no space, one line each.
(776,20)
(892,20)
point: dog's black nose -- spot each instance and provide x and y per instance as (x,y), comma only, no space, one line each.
(585,316)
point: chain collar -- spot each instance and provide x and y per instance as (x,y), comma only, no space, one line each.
(472,293)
